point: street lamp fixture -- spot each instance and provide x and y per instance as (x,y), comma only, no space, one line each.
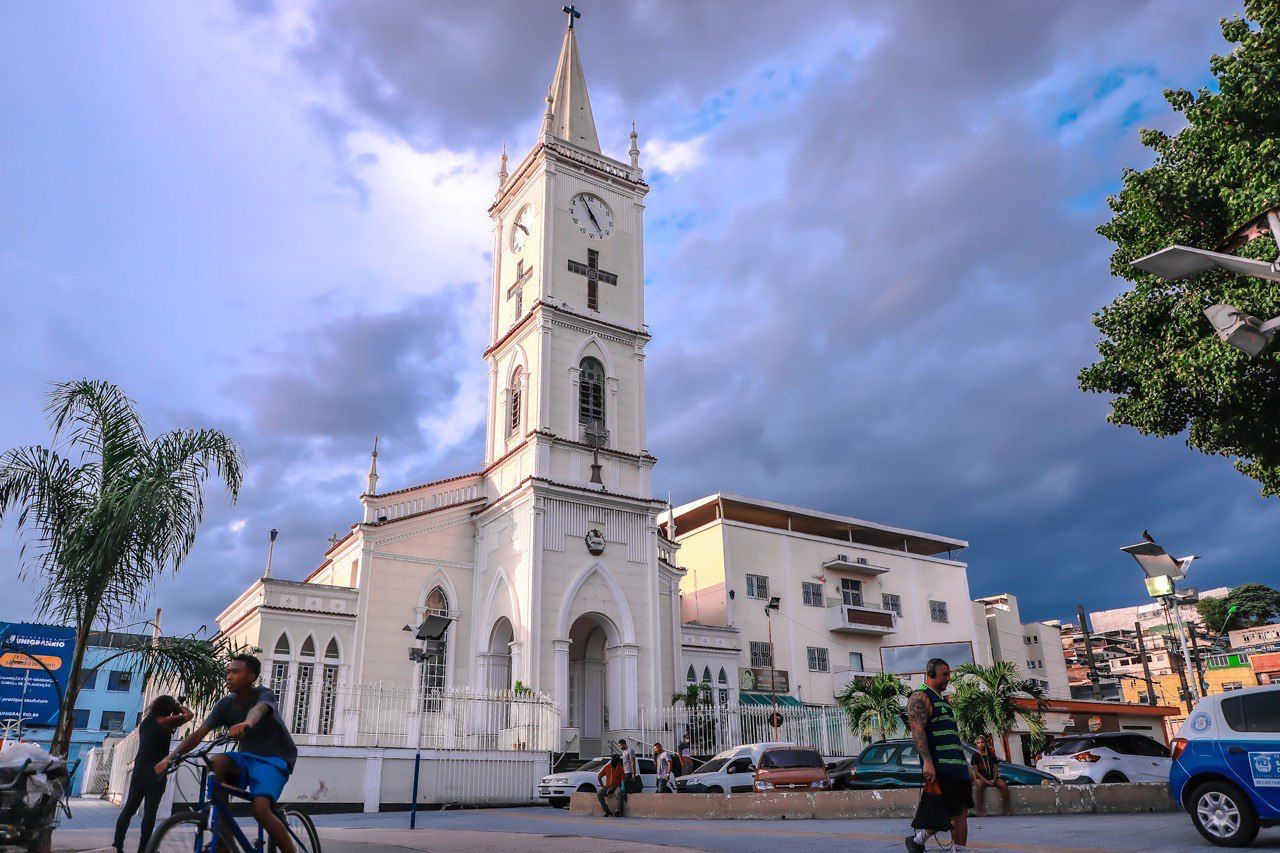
(1242,331)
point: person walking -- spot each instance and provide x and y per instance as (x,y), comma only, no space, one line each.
(686,755)
(986,774)
(611,779)
(947,794)
(146,789)
(663,760)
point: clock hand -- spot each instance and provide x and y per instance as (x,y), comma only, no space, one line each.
(592,214)
(524,228)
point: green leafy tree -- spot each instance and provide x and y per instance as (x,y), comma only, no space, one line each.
(1160,360)
(1246,606)
(104,513)
(875,705)
(985,702)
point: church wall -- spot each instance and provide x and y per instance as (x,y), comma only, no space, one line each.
(406,560)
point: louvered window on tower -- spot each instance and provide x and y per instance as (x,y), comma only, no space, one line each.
(517,384)
(591,393)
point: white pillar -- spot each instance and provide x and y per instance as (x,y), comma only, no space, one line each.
(630,685)
(514,669)
(561,696)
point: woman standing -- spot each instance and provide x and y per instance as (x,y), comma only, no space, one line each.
(155,731)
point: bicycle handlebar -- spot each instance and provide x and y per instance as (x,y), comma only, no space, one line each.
(199,752)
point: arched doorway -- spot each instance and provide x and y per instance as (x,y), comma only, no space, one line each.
(594,677)
(498,664)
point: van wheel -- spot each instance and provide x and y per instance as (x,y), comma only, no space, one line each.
(1223,814)
(1114,776)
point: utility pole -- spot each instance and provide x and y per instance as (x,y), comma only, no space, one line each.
(1175,659)
(1146,665)
(1195,656)
(1088,651)
(1182,637)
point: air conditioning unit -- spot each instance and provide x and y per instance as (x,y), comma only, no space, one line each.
(844,558)
(862,561)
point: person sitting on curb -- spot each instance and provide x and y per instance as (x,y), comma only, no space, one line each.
(610,778)
(986,774)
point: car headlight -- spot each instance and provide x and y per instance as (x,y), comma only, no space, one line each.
(764,786)
(555,780)
(1045,782)
(821,783)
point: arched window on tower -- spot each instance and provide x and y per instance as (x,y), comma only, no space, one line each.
(433,664)
(591,394)
(515,399)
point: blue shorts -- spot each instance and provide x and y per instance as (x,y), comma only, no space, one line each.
(262,775)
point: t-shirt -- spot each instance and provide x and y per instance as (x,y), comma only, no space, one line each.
(986,765)
(629,761)
(153,745)
(269,737)
(686,748)
(664,764)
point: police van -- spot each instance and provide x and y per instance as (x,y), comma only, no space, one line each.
(1226,765)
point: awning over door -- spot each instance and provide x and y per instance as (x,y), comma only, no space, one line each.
(765,700)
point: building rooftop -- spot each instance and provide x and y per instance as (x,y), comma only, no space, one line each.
(842,528)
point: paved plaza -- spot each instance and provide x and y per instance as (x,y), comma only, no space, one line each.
(545,829)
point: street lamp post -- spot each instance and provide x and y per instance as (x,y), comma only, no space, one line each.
(431,634)
(775,604)
(1163,571)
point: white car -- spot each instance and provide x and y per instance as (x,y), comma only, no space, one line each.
(1107,757)
(556,788)
(730,772)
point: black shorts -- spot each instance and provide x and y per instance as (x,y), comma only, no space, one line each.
(957,794)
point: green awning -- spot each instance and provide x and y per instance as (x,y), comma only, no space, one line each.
(765,700)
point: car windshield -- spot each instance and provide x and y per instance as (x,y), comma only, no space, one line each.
(594,764)
(714,764)
(1070,746)
(780,758)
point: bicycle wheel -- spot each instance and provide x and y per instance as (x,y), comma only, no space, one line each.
(182,833)
(303,830)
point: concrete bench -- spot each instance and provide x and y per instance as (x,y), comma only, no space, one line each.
(1121,798)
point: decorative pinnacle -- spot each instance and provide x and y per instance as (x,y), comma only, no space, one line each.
(635,147)
(502,170)
(371,484)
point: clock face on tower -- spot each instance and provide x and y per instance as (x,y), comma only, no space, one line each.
(521,228)
(592,216)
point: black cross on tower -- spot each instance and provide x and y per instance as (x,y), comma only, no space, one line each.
(572,12)
(595,275)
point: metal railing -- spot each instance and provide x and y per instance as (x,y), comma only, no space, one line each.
(714,728)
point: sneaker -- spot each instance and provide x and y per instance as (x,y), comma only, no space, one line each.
(913,845)
(608,813)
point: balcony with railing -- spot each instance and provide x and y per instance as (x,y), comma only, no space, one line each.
(851,617)
(853,565)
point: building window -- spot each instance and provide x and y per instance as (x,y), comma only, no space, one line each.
(811,593)
(280,682)
(819,660)
(328,697)
(516,397)
(757,586)
(302,701)
(723,678)
(760,654)
(855,662)
(331,650)
(889,601)
(119,681)
(851,592)
(691,677)
(1232,685)
(282,645)
(433,665)
(723,695)
(88,678)
(81,719)
(591,393)
(113,721)
(1026,640)
(938,611)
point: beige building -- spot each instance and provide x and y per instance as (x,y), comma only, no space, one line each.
(855,597)
(1035,647)
(1151,616)
(1251,638)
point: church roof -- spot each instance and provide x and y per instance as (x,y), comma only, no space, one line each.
(569,113)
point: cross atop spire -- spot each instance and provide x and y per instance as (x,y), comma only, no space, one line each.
(568,113)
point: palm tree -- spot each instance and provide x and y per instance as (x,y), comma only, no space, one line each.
(105,512)
(874,705)
(985,701)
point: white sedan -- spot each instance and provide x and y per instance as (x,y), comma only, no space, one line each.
(556,788)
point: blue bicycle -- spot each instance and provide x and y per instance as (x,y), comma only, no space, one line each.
(204,830)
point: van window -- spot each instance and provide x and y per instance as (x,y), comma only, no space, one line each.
(780,758)
(1253,712)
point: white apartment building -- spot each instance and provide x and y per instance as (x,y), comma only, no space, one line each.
(855,597)
(1035,647)
(1151,616)
(1249,638)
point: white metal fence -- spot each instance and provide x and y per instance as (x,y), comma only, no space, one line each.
(712,729)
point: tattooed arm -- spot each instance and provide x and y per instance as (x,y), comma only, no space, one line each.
(918,710)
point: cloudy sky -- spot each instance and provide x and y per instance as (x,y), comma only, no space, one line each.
(871,257)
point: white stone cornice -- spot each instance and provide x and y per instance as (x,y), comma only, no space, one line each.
(423,561)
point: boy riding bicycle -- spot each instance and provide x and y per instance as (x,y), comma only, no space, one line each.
(267,752)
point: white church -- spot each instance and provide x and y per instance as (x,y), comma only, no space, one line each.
(553,559)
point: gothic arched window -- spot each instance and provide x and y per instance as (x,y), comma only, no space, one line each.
(303,681)
(433,664)
(308,647)
(591,393)
(516,398)
(282,645)
(331,652)
(691,676)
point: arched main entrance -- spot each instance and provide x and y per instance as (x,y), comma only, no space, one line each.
(594,676)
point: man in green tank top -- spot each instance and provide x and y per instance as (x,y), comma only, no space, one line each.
(942,759)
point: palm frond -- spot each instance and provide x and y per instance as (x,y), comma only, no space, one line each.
(193,666)
(100,419)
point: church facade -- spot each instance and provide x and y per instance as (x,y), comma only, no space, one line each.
(548,559)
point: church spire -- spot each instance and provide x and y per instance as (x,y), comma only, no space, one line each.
(568,113)
(371,483)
